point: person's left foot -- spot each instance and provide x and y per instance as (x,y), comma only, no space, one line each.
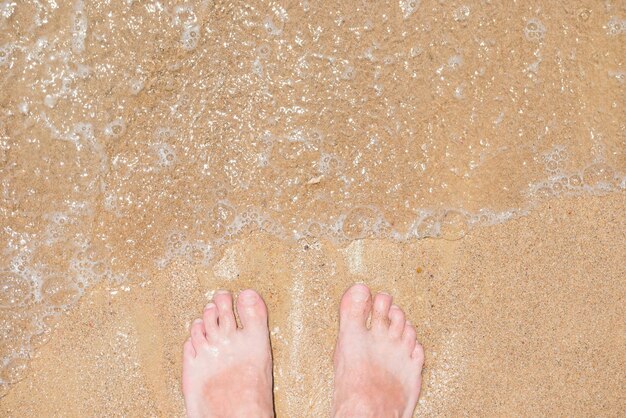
(227,371)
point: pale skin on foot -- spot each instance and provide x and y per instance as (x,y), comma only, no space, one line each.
(227,370)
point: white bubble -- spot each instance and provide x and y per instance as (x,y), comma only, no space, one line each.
(534,30)
(190,37)
(615,26)
(257,67)
(361,222)
(199,252)
(458,92)
(329,163)
(115,128)
(82,71)
(50,101)
(166,154)
(453,225)
(409,7)
(15,289)
(5,55)
(23,107)
(455,61)
(58,290)
(84,130)
(272,27)
(461,13)
(136,85)
(598,175)
(79,29)
(348,73)
(7,8)
(224,213)
(263,51)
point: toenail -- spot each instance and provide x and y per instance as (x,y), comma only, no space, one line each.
(197,321)
(209,305)
(359,294)
(248,298)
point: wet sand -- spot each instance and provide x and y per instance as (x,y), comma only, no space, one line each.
(520,319)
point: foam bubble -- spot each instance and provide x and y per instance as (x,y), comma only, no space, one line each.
(409,7)
(615,26)
(534,30)
(5,56)
(348,72)
(329,163)
(166,154)
(584,14)
(190,37)
(57,290)
(461,13)
(360,222)
(427,226)
(115,128)
(575,180)
(257,67)
(14,369)
(272,27)
(263,51)
(84,130)
(453,225)
(199,252)
(136,85)
(15,289)
(224,213)
(79,28)
(598,174)
(455,61)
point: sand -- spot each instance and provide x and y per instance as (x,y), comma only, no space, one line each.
(520,319)
(467,157)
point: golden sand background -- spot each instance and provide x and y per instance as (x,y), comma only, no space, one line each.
(468,157)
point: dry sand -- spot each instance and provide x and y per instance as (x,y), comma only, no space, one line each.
(520,319)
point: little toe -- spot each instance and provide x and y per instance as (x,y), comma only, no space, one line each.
(409,337)
(396,322)
(188,351)
(209,317)
(252,311)
(355,308)
(198,337)
(380,315)
(225,316)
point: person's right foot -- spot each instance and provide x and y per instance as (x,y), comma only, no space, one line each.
(377,370)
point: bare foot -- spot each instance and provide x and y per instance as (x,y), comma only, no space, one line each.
(378,370)
(227,371)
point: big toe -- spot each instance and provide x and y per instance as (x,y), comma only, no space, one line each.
(252,311)
(226,317)
(355,307)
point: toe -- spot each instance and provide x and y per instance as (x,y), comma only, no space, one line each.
(210,319)
(380,315)
(397,321)
(418,354)
(226,318)
(355,308)
(188,351)
(198,338)
(252,311)
(408,337)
